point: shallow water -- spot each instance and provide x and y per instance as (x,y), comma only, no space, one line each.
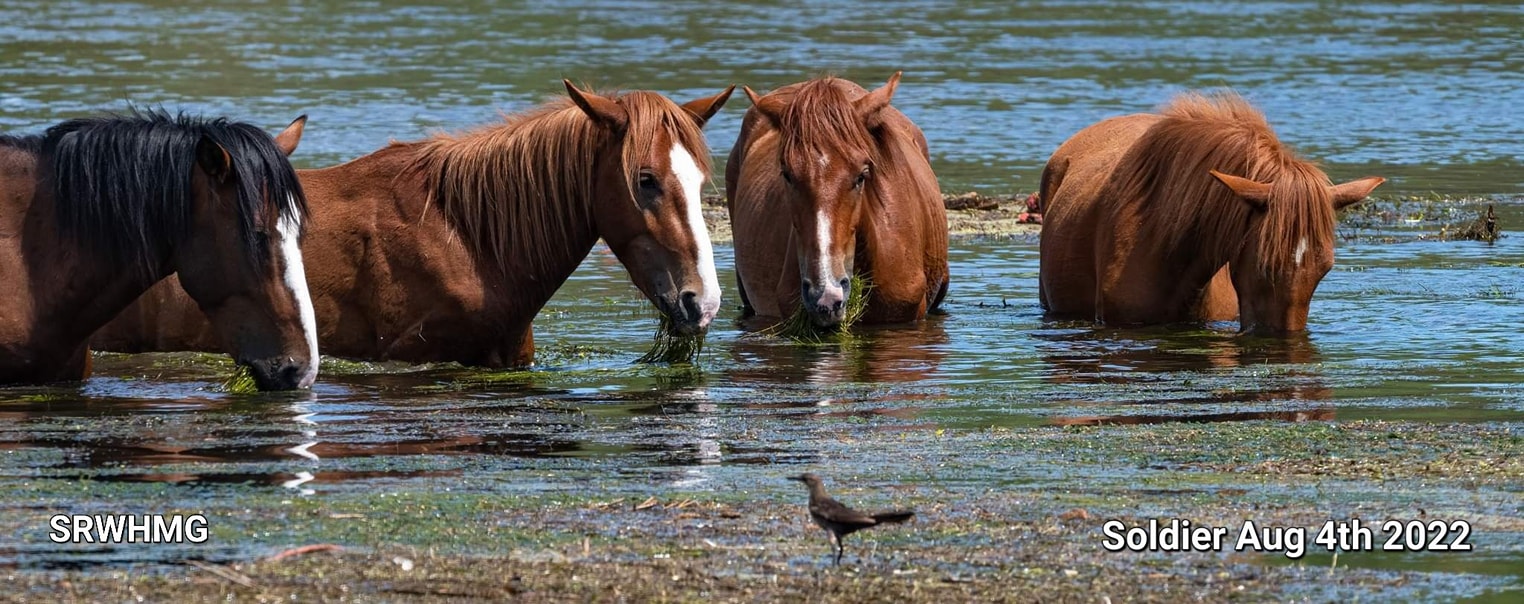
(1402,329)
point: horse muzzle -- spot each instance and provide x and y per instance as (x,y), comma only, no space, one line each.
(281,373)
(690,314)
(826,305)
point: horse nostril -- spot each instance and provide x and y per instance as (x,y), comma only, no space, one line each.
(835,308)
(805,284)
(845,283)
(690,306)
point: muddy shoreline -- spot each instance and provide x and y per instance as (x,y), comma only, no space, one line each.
(1381,219)
(969,215)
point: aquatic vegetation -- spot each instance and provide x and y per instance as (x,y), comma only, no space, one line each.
(241,381)
(800,328)
(671,348)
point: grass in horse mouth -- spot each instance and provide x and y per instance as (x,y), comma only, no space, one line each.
(240,382)
(800,328)
(673,349)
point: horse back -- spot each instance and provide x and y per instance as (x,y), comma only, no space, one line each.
(1075,183)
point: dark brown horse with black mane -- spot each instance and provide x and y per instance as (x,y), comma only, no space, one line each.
(828,180)
(446,248)
(1145,214)
(96,210)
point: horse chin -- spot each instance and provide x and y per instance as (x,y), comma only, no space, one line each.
(685,328)
(826,320)
(274,375)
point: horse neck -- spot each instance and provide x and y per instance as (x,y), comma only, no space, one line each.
(72,291)
(1184,268)
(885,236)
(522,285)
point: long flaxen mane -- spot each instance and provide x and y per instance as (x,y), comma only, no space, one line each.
(1169,170)
(122,183)
(519,190)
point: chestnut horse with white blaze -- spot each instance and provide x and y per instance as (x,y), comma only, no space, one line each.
(827,180)
(96,210)
(1146,214)
(445,249)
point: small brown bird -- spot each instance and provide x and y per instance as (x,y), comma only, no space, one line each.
(840,520)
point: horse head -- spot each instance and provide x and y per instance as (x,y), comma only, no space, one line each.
(646,198)
(1290,246)
(826,163)
(241,259)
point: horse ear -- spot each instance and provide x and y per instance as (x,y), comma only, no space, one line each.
(769,109)
(705,108)
(1256,193)
(869,105)
(288,138)
(600,109)
(1354,191)
(214,159)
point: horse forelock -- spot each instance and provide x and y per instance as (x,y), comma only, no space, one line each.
(652,115)
(822,120)
(1169,171)
(519,189)
(123,183)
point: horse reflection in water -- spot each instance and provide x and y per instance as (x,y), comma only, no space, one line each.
(284,453)
(876,355)
(1170,364)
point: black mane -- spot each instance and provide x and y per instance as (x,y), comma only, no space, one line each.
(122,183)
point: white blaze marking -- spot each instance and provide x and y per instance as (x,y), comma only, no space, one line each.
(1301,248)
(295,276)
(687,171)
(822,274)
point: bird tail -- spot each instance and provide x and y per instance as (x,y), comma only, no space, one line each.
(893,517)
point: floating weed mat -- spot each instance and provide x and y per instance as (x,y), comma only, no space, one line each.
(799,328)
(240,382)
(673,349)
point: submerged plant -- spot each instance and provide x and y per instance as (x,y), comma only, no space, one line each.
(800,328)
(673,349)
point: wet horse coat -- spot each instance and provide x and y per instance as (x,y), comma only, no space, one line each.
(827,180)
(1144,215)
(96,210)
(445,249)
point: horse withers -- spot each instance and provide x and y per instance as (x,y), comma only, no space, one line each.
(445,249)
(1197,213)
(827,180)
(96,210)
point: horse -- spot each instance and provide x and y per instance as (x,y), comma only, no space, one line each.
(1196,213)
(445,249)
(827,180)
(95,210)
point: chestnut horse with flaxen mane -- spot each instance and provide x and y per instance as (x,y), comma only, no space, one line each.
(96,210)
(826,181)
(1145,214)
(445,249)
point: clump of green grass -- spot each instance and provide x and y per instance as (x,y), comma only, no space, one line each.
(673,349)
(240,382)
(800,328)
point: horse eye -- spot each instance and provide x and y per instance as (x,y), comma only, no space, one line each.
(788,178)
(648,181)
(862,177)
